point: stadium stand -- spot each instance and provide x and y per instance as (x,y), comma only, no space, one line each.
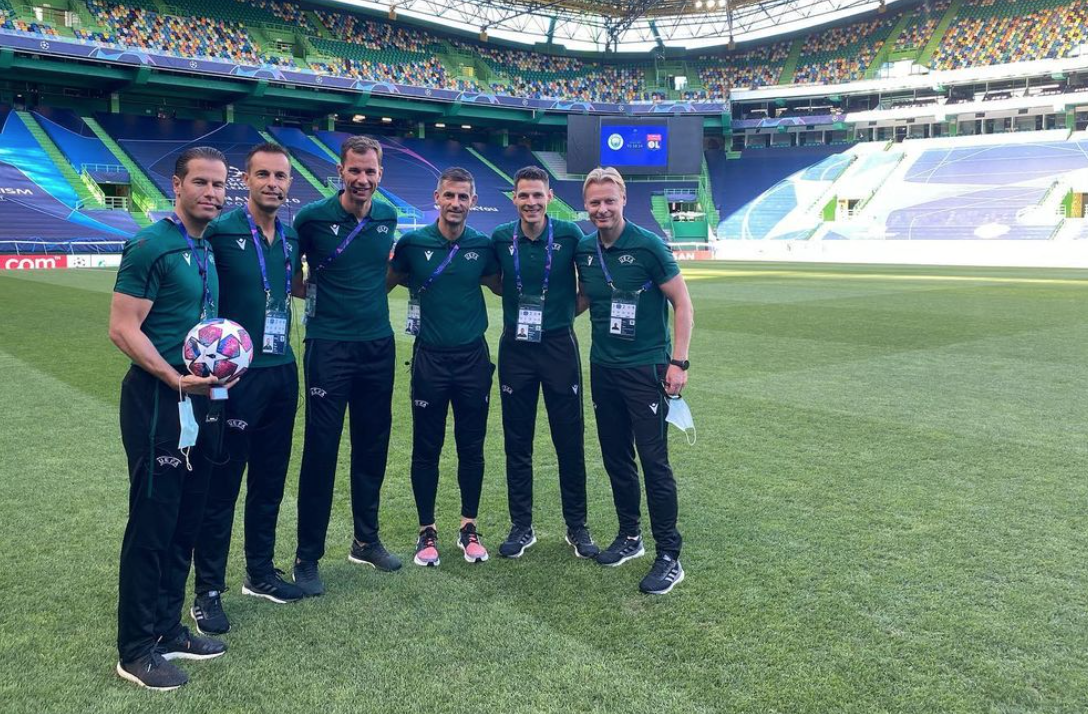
(759,67)
(739,185)
(169,137)
(841,54)
(956,191)
(920,25)
(80,146)
(993,187)
(39,208)
(507,159)
(340,43)
(988,32)
(537,76)
(308,153)
(141,27)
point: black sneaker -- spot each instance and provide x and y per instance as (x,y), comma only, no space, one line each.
(515,544)
(273,587)
(621,550)
(469,543)
(207,613)
(375,555)
(186,646)
(663,577)
(153,672)
(582,541)
(306,577)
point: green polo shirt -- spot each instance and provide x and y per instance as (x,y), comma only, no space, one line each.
(562,287)
(157,265)
(636,257)
(351,298)
(241,291)
(452,309)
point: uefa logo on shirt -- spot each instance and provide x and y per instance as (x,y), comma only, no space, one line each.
(615,142)
(472,256)
(627,259)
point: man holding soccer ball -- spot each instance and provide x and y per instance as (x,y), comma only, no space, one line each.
(167,283)
(257,257)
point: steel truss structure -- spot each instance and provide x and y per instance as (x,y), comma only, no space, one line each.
(636,25)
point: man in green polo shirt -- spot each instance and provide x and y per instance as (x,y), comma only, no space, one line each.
(349,361)
(538,350)
(442,266)
(629,278)
(166,284)
(257,258)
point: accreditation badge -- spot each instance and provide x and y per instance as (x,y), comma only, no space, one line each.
(414,318)
(621,323)
(275,330)
(530,318)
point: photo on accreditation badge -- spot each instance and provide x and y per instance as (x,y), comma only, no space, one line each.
(544,357)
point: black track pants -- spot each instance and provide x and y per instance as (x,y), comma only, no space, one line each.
(165,505)
(630,406)
(259,429)
(440,377)
(342,375)
(525,369)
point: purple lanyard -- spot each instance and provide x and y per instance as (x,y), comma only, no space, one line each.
(343,245)
(260,253)
(202,267)
(547,258)
(438,271)
(608,275)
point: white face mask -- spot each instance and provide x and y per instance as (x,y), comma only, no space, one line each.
(189,427)
(679,415)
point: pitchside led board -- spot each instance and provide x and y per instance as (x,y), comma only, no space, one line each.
(652,145)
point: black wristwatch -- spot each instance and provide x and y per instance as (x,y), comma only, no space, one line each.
(681,363)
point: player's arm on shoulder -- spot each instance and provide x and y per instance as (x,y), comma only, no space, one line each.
(394,278)
(127,314)
(298,283)
(581,300)
(397,272)
(492,282)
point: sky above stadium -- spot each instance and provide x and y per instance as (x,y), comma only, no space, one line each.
(705,23)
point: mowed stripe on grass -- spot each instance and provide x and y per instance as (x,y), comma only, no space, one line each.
(884,511)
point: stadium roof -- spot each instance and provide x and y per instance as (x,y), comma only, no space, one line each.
(627,25)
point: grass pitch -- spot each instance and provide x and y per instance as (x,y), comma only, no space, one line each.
(884,511)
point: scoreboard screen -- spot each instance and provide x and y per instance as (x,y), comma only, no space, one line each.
(643,145)
(637,146)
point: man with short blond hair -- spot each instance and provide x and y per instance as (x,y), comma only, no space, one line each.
(629,278)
